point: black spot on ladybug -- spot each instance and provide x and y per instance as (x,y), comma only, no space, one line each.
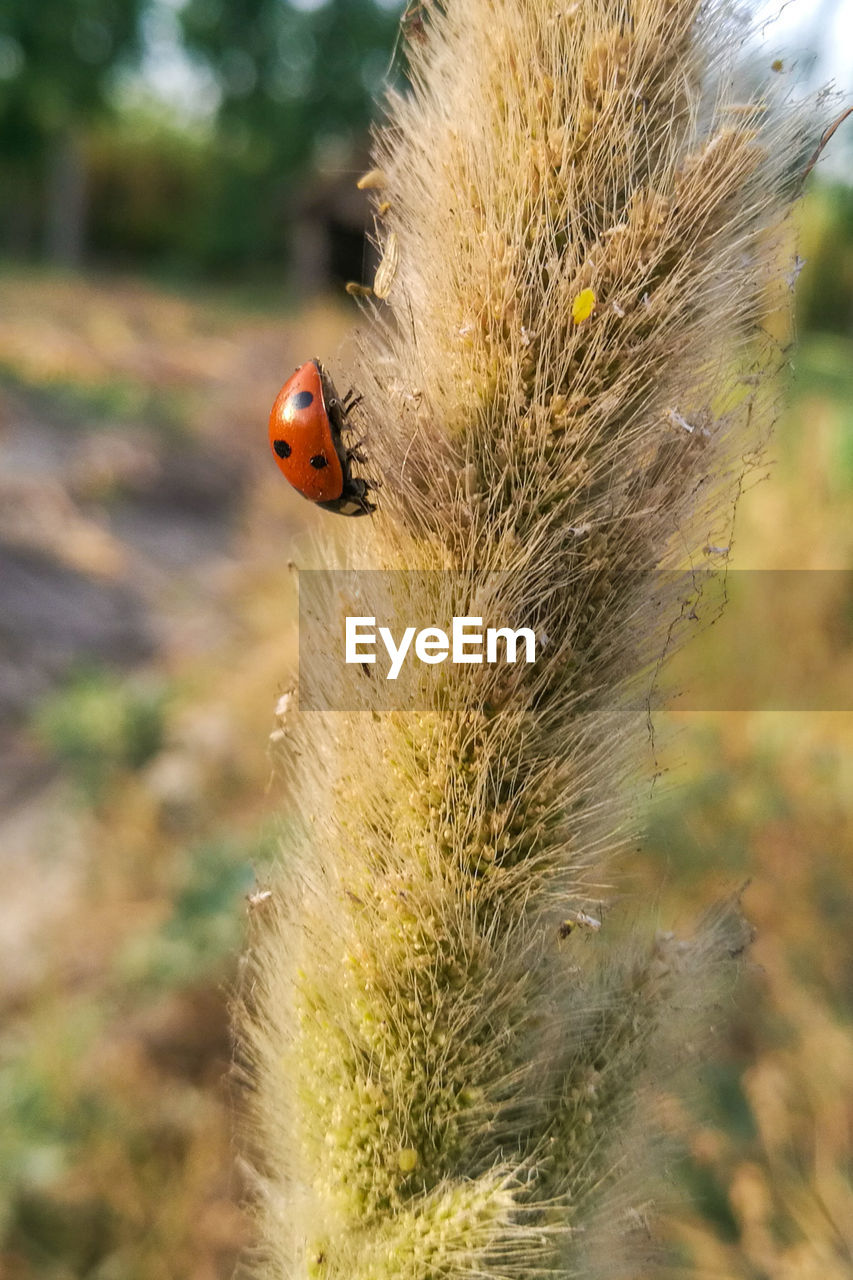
(300,400)
(319,461)
(282,448)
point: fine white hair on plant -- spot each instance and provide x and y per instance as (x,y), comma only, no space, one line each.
(581,221)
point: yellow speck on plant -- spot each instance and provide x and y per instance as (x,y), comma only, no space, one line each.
(583,306)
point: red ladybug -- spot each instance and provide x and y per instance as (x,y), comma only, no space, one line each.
(306,422)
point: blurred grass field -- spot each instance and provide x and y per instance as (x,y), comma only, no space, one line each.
(149,807)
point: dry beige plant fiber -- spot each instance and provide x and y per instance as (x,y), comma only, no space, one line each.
(454,1073)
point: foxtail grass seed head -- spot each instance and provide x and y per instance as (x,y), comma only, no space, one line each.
(454,1047)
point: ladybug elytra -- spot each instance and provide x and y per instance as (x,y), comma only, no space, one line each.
(305,429)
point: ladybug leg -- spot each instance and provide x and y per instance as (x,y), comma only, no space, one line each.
(358,491)
(350,400)
(355,455)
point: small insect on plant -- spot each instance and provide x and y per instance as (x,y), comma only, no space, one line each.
(258,899)
(306,428)
(579,920)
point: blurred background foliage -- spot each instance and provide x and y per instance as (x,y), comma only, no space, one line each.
(178,214)
(93,164)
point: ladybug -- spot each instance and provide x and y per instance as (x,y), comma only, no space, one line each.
(306,423)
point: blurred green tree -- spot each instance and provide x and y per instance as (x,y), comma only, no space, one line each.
(825,289)
(298,80)
(57,63)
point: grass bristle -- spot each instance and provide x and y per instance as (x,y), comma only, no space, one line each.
(561,388)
